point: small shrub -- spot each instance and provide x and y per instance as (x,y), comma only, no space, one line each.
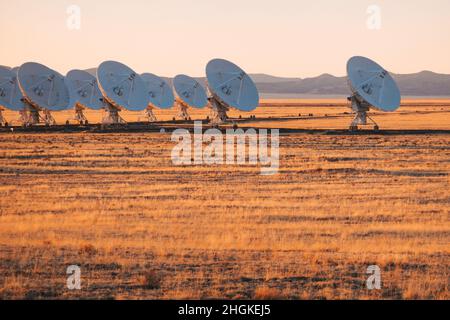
(152,280)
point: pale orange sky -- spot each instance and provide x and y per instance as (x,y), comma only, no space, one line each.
(285,37)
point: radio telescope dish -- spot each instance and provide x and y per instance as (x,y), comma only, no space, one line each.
(10,95)
(84,93)
(121,87)
(159,91)
(230,87)
(373,84)
(372,87)
(83,89)
(6,85)
(190,93)
(160,94)
(43,89)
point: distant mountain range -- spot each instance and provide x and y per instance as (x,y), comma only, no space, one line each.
(425,83)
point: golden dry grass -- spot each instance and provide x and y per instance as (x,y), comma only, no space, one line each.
(141,228)
(328,114)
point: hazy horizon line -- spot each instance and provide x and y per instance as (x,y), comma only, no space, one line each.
(250,73)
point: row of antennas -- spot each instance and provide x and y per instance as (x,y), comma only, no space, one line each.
(36,90)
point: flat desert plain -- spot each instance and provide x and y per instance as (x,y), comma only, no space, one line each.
(141,228)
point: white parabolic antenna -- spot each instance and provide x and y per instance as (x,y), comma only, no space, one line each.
(43,87)
(372,87)
(10,95)
(373,84)
(231,86)
(159,91)
(121,86)
(190,91)
(84,90)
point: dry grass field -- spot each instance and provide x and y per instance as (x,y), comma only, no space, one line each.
(141,228)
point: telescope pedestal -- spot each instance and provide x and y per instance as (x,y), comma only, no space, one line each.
(3,121)
(79,115)
(218,111)
(150,115)
(182,109)
(29,116)
(48,118)
(112,115)
(361,117)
